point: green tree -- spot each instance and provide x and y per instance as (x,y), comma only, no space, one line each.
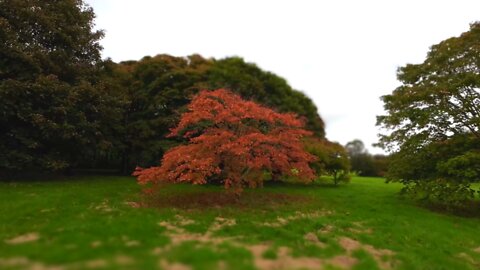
(437,105)
(251,82)
(332,159)
(361,161)
(54,112)
(381,163)
(47,38)
(355,148)
(158,88)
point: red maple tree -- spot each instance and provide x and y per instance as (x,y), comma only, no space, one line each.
(235,142)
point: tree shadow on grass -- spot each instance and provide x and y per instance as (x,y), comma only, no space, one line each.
(218,199)
(469,209)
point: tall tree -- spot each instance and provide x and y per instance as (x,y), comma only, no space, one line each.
(355,148)
(234,142)
(53,110)
(361,161)
(437,104)
(47,38)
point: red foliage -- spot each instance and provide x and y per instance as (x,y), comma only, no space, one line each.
(233,141)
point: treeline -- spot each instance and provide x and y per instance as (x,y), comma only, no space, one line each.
(365,164)
(63,108)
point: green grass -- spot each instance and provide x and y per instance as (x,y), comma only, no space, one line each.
(87,223)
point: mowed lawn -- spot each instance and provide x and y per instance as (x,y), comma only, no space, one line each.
(96,223)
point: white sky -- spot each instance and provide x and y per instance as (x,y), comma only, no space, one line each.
(342,54)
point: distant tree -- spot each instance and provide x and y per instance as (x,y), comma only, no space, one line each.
(355,148)
(332,159)
(361,161)
(436,107)
(381,163)
(234,142)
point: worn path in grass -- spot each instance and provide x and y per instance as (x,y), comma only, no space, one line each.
(95,223)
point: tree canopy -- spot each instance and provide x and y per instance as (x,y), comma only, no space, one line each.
(53,110)
(62,107)
(235,142)
(436,107)
(47,38)
(158,89)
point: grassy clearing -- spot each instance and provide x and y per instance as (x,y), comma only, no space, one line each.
(93,223)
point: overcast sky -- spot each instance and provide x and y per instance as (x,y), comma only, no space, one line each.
(342,54)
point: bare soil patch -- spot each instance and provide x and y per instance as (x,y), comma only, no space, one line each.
(466,257)
(283,260)
(25,263)
(166,265)
(179,235)
(97,263)
(25,238)
(383,257)
(312,238)
(326,229)
(282,221)
(104,207)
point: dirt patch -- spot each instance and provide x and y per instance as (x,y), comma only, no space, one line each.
(326,229)
(477,249)
(283,260)
(25,263)
(13,262)
(104,207)
(196,200)
(220,223)
(132,243)
(98,263)
(466,257)
(349,244)
(182,221)
(282,221)
(166,265)
(25,238)
(179,235)
(129,242)
(383,257)
(95,244)
(123,260)
(312,238)
(343,261)
(359,228)
(134,204)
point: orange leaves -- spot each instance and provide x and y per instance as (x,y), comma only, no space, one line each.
(234,142)
(223,108)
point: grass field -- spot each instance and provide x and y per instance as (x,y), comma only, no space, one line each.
(95,223)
